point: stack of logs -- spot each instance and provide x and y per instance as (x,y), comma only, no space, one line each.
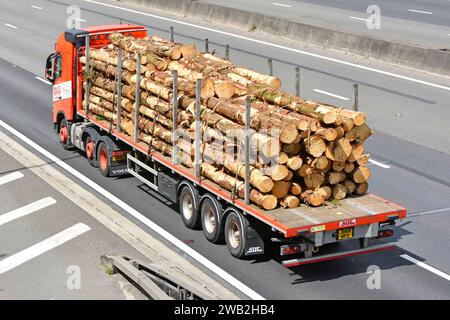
(305,151)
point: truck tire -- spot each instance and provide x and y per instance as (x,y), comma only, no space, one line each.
(64,134)
(188,201)
(234,235)
(103,159)
(89,144)
(210,217)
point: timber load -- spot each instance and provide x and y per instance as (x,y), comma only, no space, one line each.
(301,151)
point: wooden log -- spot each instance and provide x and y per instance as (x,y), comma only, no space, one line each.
(304,170)
(363,160)
(338,150)
(294,163)
(356,153)
(348,124)
(224,89)
(361,175)
(361,189)
(165,78)
(277,172)
(338,165)
(335,177)
(314,180)
(154,45)
(257,179)
(110,57)
(267,202)
(314,145)
(281,189)
(283,158)
(329,134)
(283,99)
(359,134)
(349,166)
(339,191)
(188,51)
(349,185)
(289,176)
(290,201)
(327,168)
(325,192)
(320,163)
(296,188)
(292,148)
(312,198)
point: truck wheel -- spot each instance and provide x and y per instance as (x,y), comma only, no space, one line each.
(188,208)
(64,134)
(90,150)
(103,159)
(211,225)
(234,235)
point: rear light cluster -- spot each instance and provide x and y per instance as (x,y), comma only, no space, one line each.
(289,249)
(385,233)
(119,155)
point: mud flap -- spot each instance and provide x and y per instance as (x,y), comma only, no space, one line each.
(255,234)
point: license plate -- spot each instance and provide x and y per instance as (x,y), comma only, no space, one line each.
(344,234)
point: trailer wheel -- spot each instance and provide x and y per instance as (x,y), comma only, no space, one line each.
(103,159)
(234,235)
(64,134)
(90,150)
(210,216)
(188,208)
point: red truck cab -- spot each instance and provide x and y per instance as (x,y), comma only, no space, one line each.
(64,71)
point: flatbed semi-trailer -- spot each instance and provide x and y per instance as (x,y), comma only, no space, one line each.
(244,227)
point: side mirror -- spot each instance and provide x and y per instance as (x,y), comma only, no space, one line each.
(50,68)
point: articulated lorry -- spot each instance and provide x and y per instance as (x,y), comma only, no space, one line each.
(246,229)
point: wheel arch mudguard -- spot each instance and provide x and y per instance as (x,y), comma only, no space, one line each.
(216,203)
(194,190)
(254,232)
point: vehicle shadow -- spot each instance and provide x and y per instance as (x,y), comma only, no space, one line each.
(335,269)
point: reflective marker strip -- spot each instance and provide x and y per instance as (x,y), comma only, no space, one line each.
(42,247)
(426,267)
(25,210)
(10,177)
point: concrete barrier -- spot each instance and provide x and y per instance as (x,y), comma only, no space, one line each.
(423,59)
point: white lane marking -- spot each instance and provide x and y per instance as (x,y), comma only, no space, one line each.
(426,267)
(10,177)
(39,248)
(36,7)
(423,213)
(330,94)
(43,80)
(133,212)
(394,75)
(385,166)
(25,210)
(357,18)
(420,11)
(281,4)
(79,19)
(10,25)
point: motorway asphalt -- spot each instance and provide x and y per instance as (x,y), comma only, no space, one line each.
(417,156)
(50,275)
(423,23)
